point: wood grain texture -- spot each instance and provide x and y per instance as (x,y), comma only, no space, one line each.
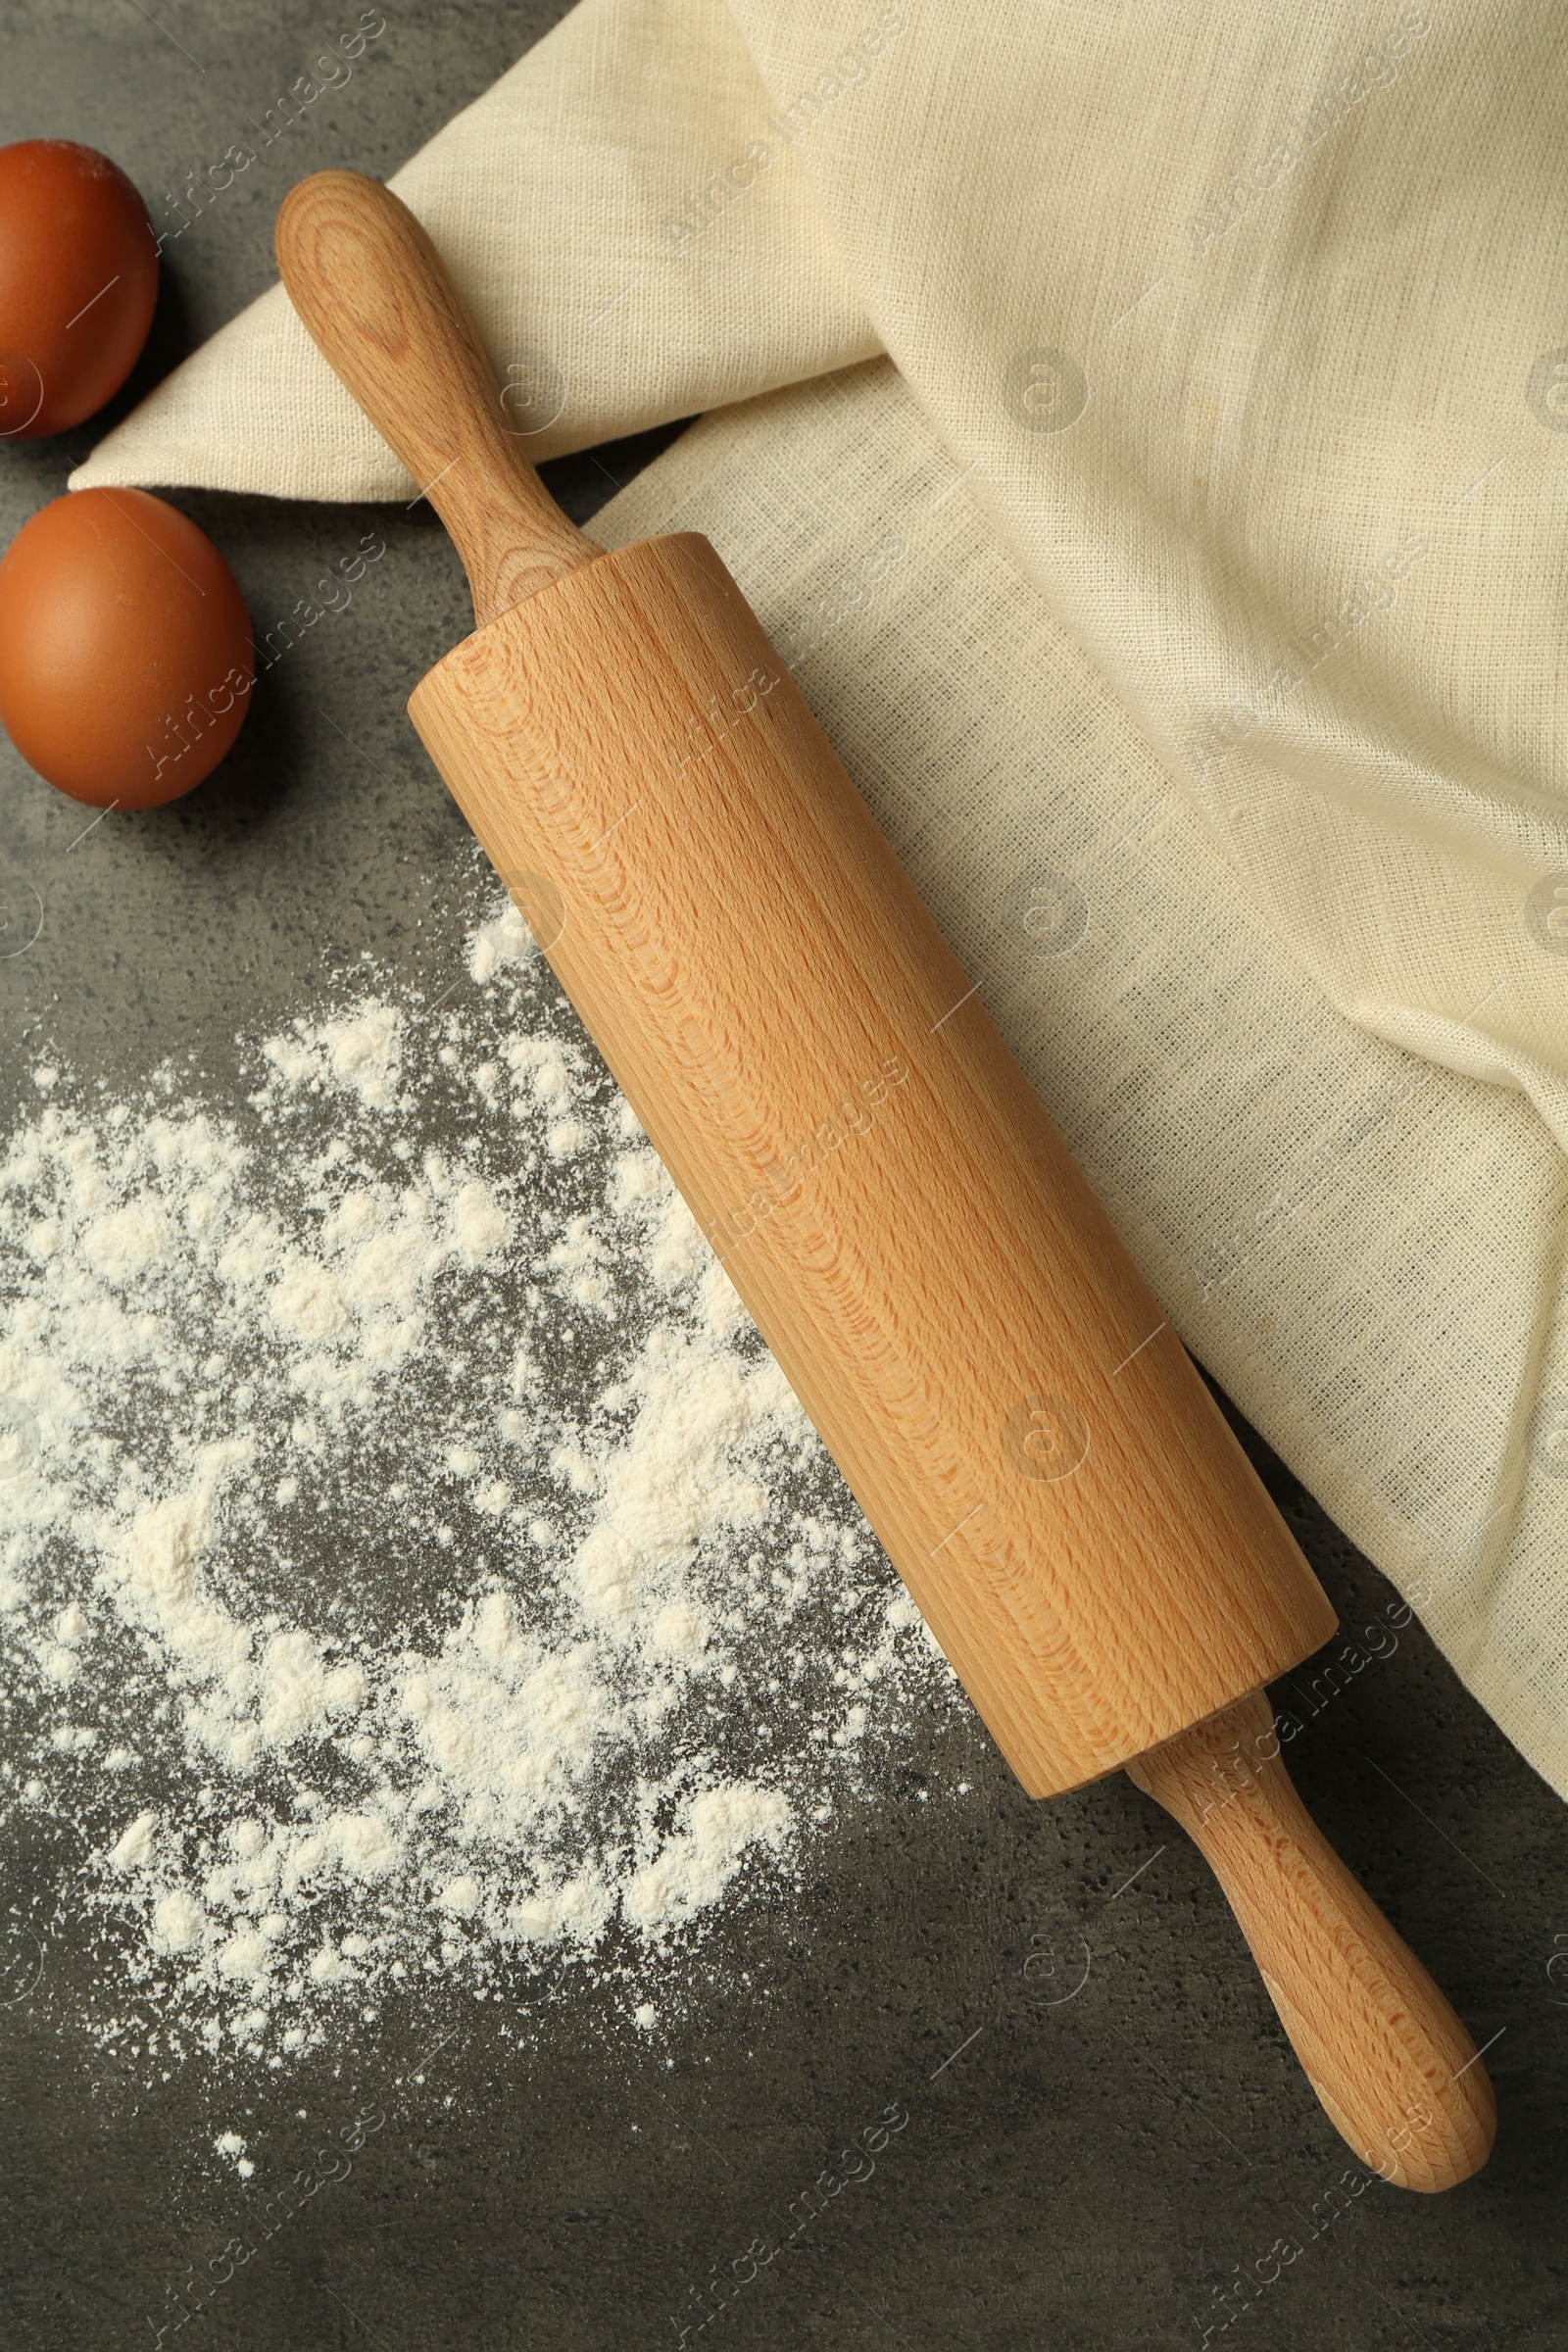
(1394,2066)
(375,299)
(950,1302)
(1023,1431)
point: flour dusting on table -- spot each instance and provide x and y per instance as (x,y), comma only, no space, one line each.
(412,1563)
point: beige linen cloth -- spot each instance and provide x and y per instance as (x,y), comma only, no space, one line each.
(1144,427)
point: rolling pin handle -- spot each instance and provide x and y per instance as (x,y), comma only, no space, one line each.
(1395,2070)
(375,299)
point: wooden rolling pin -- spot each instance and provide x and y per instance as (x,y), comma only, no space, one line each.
(1031,1443)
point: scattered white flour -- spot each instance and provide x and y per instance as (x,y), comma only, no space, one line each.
(505,939)
(359,1054)
(230,2144)
(412,1564)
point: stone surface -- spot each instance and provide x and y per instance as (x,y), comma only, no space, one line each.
(1105,2125)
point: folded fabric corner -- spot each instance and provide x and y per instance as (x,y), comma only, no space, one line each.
(633,238)
(232,418)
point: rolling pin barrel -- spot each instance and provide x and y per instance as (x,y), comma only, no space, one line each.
(1032,1444)
(1022,1429)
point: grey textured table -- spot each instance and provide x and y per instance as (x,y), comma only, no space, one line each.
(1088,2171)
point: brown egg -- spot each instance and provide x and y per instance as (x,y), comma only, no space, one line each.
(79,278)
(125,659)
